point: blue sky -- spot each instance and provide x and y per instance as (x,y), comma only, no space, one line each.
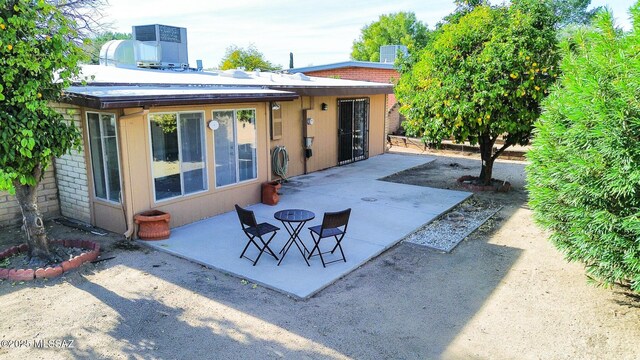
(318,34)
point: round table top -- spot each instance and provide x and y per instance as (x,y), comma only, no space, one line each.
(294,215)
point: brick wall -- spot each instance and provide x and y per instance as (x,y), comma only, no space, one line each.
(10,213)
(362,74)
(71,174)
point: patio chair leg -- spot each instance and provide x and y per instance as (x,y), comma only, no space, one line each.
(338,246)
(315,247)
(247,246)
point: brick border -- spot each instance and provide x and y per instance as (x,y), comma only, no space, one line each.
(50,272)
(505,187)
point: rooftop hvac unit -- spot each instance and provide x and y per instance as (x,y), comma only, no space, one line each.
(389,53)
(170,40)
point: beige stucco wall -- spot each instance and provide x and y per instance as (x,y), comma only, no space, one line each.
(135,146)
(324,130)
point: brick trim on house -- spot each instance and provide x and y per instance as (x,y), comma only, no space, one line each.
(71,173)
(10,213)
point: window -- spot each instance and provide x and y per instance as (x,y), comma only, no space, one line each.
(105,165)
(235,146)
(178,154)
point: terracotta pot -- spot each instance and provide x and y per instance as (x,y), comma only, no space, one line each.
(270,193)
(153,225)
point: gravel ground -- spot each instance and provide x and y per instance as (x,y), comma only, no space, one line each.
(446,232)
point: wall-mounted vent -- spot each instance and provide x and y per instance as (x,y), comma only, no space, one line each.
(171,40)
(389,53)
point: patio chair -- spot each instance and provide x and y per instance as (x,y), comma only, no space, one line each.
(254,230)
(334,225)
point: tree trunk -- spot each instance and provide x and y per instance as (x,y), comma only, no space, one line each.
(33,225)
(486,154)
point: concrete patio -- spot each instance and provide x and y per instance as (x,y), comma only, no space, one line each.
(382,214)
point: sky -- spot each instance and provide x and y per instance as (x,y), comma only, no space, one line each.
(319,34)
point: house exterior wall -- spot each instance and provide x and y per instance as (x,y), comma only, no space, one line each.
(135,146)
(10,213)
(71,172)
(324,131)
(134,142)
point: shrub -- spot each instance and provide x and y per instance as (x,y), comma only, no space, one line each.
(584,171)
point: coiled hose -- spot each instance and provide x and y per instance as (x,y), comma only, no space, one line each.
(280,162)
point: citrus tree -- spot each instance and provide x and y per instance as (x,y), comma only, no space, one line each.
(584,171)
(37,61)
(483,77)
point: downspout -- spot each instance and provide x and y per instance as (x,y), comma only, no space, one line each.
(127,206)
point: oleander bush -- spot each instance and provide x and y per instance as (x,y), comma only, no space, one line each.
(584,171)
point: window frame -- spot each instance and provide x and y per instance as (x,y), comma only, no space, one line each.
(104,165)
(178,133)
(237,152)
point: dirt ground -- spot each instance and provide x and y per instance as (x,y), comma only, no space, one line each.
(503,293)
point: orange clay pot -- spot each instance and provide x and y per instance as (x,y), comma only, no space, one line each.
(270,193)
(153,225)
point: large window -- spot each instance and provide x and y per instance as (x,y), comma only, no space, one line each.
(178,151)
(235,146)
(103,142)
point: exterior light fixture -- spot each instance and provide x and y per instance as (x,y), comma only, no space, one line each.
(275,106)
(324,106)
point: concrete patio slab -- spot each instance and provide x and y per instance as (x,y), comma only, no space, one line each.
(382,214)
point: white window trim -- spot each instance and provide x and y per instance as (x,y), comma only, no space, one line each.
(235,138)
(115,117)
(204,139)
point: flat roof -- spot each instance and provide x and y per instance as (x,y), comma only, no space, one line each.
(344,64)
(111,97)
(158,87)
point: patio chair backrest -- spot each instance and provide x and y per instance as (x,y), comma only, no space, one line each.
(247,217)
(337,219)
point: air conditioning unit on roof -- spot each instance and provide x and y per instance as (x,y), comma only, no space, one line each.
(170,40)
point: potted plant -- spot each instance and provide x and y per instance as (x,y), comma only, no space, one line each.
(153,225)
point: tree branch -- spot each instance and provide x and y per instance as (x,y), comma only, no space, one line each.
(500,151)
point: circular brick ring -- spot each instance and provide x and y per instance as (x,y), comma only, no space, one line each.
(93,250)
(465,182)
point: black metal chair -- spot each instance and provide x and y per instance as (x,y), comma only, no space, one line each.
(334,224)
(254,230)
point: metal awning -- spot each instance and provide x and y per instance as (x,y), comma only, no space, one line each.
(112,97)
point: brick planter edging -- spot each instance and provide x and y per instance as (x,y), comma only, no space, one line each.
(505,187)
(50,272)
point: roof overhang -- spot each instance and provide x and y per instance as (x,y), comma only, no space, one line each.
(337,91)
(113,97)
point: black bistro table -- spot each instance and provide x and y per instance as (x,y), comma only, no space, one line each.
(294,220)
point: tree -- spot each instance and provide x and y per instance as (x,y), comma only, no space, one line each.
(463,7)
(93,46)
(481,78)
(400,28)
(584,171)
(38,57)
(248,59)
(574,12)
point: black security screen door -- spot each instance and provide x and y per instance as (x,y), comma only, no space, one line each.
(353,130)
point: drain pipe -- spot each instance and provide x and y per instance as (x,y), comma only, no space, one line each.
(127,207)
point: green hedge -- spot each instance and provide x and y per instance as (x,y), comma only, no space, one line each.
(584,171)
